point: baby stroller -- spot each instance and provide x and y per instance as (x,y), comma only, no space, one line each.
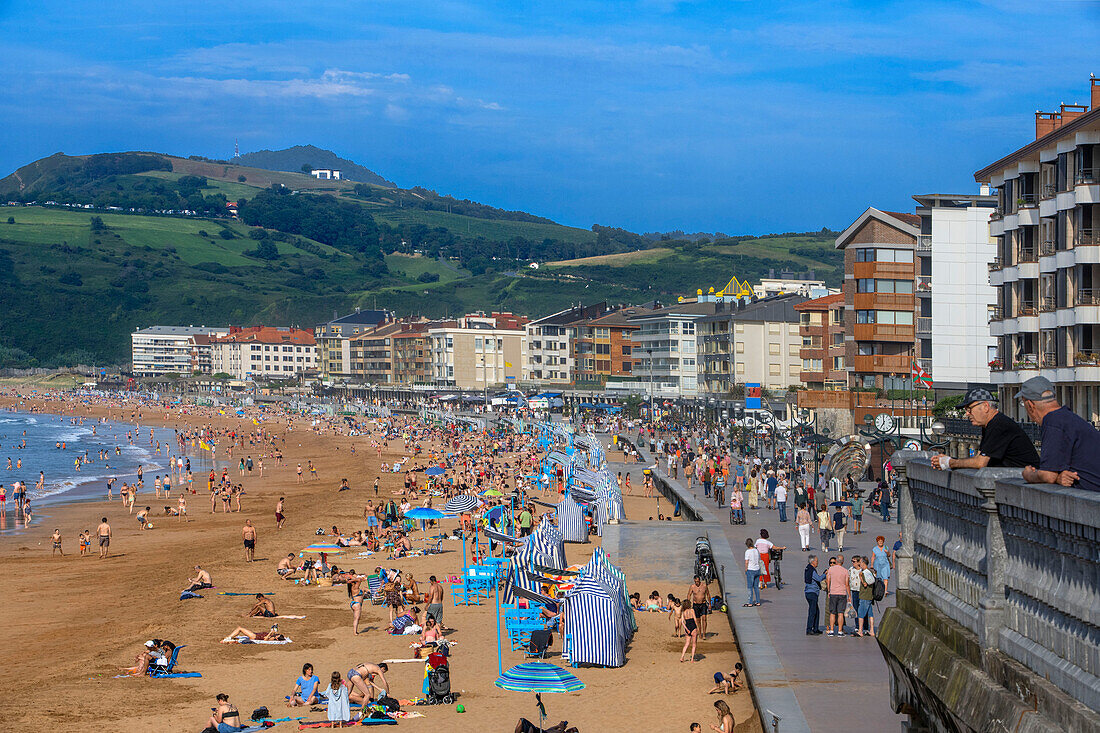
(704,560)
(439,680)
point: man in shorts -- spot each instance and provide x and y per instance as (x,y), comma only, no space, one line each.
(279,518)
(698,595)
(434,600)
(836,584)
(249,535)
(104,534)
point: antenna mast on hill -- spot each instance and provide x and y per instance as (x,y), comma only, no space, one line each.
(236,149)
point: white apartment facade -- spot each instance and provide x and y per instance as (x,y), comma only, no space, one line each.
(954,296)
(665,349)
(751,343)
(1047,271)
(159,350)
(479,352)
(265,352)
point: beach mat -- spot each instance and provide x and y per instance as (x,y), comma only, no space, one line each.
(226,593)
(170,675)
(246,640)
(328,723)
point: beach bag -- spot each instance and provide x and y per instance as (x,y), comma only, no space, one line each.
(715,603)
(391,705)
(260,713)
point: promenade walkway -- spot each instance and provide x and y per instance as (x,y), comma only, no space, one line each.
(839,684)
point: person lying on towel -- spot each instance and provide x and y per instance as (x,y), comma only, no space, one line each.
(271,635)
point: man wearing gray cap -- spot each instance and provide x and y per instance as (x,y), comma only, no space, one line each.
(1004,443)
(1071,446)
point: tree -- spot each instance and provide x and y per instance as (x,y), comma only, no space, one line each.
(307,168)
(222,376)
(265,250)
(241,178)
(11,219)
(257,234)
(227,234)
(97,224)
(428,277)
(632,405)
(71,278)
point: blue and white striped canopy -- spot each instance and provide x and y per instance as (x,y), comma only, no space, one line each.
(460,503)
(539,677)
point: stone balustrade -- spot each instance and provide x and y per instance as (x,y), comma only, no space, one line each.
(998,610)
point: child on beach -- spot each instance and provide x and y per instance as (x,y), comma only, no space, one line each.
(727,684)
(675,614)
(85,542)
(57,542)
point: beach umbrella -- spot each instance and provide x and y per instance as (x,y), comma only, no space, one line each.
(423,512)
(460,503)
(491,492)
(319,548)
(538,677)
(433,471)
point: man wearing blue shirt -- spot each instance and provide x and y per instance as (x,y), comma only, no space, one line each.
(813,580)
(1070,453)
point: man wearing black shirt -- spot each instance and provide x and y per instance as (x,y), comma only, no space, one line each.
(1004,443)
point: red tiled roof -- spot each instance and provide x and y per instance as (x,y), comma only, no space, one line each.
(912,219)
(822,303)
(269,335)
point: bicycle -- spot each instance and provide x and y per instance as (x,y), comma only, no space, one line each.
(775,569)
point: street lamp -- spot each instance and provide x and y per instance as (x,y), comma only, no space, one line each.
(936,440)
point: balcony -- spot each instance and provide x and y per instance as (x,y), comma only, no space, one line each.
(1050,360)
(924,283)
(1027,201)
(1087,296)
(901,364)
(996,264)
(1086,238)
(996,313)
(1027,254)
(1086,358)
(997,213)
(1048,191)
(1027,308)
(1026,361)
(883,332)
(1087,175)
(1047,304)
(883,269)
(924,325)
(924,243)
(1046,248)
(815,398)
(882,301)
(997,365)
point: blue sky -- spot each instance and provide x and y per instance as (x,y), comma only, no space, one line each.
(733,116)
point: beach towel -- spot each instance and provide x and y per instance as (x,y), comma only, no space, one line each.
(246,640)
(225,593)
(187,595)
(328,724)
(279,617)
(172,675)
(400,714)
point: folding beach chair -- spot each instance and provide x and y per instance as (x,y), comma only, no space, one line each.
(158,671)
(374,585)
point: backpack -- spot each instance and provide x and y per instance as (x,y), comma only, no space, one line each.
(879,587)
(260,713)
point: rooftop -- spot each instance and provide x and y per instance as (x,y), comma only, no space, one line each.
(269,335)
(181,330)
(821,303)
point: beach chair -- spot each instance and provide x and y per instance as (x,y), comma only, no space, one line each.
(374,586)
(539,645)
(155,671)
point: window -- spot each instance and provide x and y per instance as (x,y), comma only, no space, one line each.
(838,339)
(740,367)
(774,328)
(689,328)
(793,350)
(740,347)
(868,381)
(739,328)
(792,328)
(904,287)
(626,351)
(603,333)
(689,346)
(774,370)
(450,342)
(478,345)
(811,365)
(773,349)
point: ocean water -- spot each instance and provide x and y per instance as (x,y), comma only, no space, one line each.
(63,483)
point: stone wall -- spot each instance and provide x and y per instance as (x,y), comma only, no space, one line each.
(997,625)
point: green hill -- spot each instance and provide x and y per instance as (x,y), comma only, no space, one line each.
(292,159)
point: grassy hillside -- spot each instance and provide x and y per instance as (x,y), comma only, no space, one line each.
(468,226)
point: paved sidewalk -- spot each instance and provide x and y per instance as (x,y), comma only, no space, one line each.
(841,684)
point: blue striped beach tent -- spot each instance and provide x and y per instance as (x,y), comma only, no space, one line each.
(526,557)
(571,522)
(599,566)
(549,541)
(595,624)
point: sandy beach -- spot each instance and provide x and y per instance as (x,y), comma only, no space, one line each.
(72,623)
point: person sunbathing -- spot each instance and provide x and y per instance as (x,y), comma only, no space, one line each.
(200,581)
(262,607)
(270,635)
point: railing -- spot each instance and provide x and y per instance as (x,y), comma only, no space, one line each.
(1048,191)
(1014,565)
(1027,201)
(1027,254)
(1050,359)
(924,283)
(815,398)
(880,363)
(996,313)
(924,243)
(1087,296)
(996,264)
(924,324)
(882,332)
(1086,358)
(1046,247)
(1026,309)
(1087,175)
(1048,304)
(1026,361)
(998,213)
(1086,238)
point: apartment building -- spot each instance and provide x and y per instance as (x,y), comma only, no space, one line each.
(479,351)
(750,342)
(603,348)
(372,354)
(821,328)
(549,359)
(880,279)
(412,361)
(1047,271)
(333,339)
(954,296)
(664,347)
(202,353)
(264,351)
(159,350)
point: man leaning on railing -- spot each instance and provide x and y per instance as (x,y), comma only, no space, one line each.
(1071,446)
(1004,443)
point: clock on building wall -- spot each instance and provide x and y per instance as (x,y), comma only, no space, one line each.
(884,423)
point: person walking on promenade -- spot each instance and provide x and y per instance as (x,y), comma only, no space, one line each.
(880,561)
(752,572)
(824,527)
(813,580)
(866,595)
(802,520)
(836,584)
(781,499)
